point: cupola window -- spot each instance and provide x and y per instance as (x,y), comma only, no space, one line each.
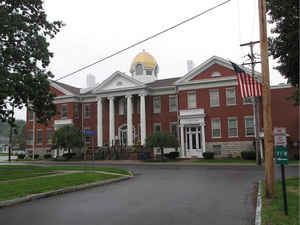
(148,72)
(139,69)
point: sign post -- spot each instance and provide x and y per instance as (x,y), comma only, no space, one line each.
(281,158)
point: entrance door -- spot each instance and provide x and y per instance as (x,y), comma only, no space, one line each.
(123,134)
(193,140)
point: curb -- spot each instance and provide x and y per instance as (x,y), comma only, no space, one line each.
(258,205)
(62,191)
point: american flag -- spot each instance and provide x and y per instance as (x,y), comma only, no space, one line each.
(248,85)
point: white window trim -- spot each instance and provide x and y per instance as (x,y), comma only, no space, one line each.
(64,117)
(237,127)
(29,112)
(51,138)
(248,103)
(170,127)
(37,135)
(213,128)
(188,102)
(210,96)
(228,96)
(84,116)
(176,107)
(249,117)
(156,111)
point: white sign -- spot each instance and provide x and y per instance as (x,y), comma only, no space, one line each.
(280,136)
(279,130)
(280,140)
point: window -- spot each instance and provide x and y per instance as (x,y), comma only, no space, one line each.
(191,100)
(248,100)
(232,127)
(87,138)
(214,98)
(64,111)
(249,125)
(173,128)
(139,69)
(30,137)
(156,104)
(216,74)
(49,135)
(148,72)
(87,111)
(122,106)
(172,103)
(76,110)
(216,128)
(30,115)
(156,127)
(230,96)
(39,140)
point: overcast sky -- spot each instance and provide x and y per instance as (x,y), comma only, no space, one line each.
(95,29)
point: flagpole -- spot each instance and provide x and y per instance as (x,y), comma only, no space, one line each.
(267,116)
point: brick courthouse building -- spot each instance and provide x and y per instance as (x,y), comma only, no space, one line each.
(203,109)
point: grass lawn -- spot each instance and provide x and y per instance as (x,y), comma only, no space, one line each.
(10,172)
(3,154)
(273,211)
(224,161)
(21,188)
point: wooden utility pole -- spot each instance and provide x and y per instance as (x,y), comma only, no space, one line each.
(267,117)
(255,104)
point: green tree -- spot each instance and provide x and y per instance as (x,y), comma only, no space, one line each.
(284,45)
(67,137)
(162,140)
(24,57)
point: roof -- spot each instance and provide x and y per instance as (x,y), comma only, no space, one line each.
(163,83)
(69,88)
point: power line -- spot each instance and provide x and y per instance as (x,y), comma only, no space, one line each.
(144,40)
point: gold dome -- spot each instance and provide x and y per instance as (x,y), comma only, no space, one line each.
(144,58)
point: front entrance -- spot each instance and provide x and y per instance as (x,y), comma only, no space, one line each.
(193,140)
(123,134)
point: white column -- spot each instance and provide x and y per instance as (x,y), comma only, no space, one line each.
(143,119)
(203,137)
(182,140)
(99,122)
(111,121)
(129,121)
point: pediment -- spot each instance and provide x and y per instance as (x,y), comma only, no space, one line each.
(213,68)
(118,81)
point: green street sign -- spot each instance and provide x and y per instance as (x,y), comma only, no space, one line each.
(281,155)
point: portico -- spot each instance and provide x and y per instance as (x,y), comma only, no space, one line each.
(129,120)
(192,133)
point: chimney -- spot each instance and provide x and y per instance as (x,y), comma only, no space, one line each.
(90,80)
(190,65)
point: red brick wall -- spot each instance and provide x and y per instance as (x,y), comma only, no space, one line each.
(284,114)
(240,110)
(206,74)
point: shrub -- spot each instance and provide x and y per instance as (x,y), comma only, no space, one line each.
(47,156)
(248,155)
(69,155)
(208,155)
(172,155)
(21,156)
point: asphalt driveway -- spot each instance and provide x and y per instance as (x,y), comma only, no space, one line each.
(159,194)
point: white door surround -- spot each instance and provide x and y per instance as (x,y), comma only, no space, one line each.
(192,133)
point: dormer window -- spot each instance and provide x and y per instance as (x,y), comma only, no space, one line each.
(216,74)
(139,69)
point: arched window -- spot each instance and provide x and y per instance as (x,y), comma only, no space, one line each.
(139,69)
(156,71)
